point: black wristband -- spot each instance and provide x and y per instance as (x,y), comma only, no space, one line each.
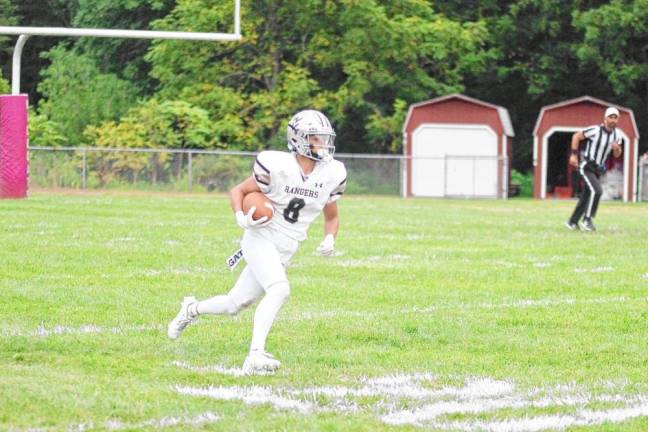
(574,152)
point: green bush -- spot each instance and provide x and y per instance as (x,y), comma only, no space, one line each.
(4,86)
(44,132)
(524,181)
(77,94)
(153,124)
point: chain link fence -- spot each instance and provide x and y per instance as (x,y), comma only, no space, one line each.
(643,178)
(212,170)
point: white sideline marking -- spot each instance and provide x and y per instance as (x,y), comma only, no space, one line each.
(164,422)
(517,304)
(42,331)
(595,270)
(415,400)
(373,261)
(190,271)
(237,372)
(522,304)
(253,395)
(559,422)
(200,419)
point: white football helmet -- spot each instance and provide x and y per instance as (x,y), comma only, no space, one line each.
(310,134)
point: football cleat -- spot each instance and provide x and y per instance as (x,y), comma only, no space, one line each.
(572,226)
(588,225)
(183,319)
(260,362)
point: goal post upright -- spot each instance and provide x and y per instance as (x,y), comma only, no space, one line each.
(14,124)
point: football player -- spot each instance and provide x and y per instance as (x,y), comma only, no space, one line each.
(301,185)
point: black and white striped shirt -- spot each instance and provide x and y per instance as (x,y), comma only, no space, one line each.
(599,143)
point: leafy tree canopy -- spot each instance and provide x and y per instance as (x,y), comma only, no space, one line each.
(123,57)
(77,94)
(351,59)
(4,86)
(616,43)
(362,62)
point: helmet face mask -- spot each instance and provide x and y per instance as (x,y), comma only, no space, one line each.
(310,134)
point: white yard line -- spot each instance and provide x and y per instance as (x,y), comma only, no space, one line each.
(164,422)
(418,400)
(237,372)
(251,395)
(200,419)
(514,304)
(549,422)
(42,331)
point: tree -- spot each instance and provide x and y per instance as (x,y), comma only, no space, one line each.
(4,86)
(7,18)
(535,66)
(45,132)
(36,13)
(153,124)
(616,43)
(122,57)
(77,94)
(354,59)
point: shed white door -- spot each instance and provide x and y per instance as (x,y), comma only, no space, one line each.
(454,160)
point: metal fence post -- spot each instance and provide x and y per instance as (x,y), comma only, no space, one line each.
(505,178)
(401,176)
(190,169)
(84,171)
(642,193)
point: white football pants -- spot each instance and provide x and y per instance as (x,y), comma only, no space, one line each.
(266,253)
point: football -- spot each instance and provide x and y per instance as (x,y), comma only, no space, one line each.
(262,204)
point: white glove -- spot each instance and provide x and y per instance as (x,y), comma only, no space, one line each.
(245,221)
(327,247)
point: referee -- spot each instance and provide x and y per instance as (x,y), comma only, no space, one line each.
(599,140)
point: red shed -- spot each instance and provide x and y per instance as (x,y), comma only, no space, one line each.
(457,146)
(554,177)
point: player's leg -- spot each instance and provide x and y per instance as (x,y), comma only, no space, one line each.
(245,292)
(258,359)
(266,312)
(266,263)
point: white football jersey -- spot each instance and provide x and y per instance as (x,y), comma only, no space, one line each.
(297,199)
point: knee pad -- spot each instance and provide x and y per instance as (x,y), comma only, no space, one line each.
(280,290)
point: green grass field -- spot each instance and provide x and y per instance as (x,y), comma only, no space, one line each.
(436,315)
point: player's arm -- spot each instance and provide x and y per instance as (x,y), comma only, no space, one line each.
(236,202)
(331,227)
(331,219)
(616,148)
(575,142)
(240,190)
